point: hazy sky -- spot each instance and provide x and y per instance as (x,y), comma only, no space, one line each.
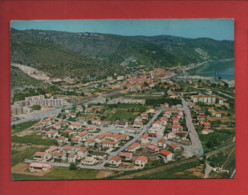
(219,29)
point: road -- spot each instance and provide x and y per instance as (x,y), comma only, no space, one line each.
(195,141)
(208,169)
(37,115)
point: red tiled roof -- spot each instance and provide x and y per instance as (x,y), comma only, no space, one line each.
(152,147)
(144,136)
(162,141)
(116,158)
(68,147)
(82,133)
(174,146)
(142,158)
(83,149)
(165,152)
(58,153)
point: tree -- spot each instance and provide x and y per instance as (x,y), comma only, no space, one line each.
(36,107)
(89,122)
(72,166)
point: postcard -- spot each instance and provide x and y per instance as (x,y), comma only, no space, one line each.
(122,99)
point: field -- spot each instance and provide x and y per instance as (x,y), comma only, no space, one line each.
(32,139)
(20,127)
(20,152)
(126,112)
(60,173)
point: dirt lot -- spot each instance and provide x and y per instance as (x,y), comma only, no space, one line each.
(198,171)
(104,173)
(22,168)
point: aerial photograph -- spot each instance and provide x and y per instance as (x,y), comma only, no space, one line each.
(122,99)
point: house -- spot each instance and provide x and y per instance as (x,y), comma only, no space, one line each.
(62,140)
(90,143)
(37,125)
(57,125)
(73,115)
(37,167)
(205,131)
(133,147)
(68,149)
(79,108)
(171,135)
(42,156)
(167,154)
(122,124)
(176,128)
(164,120)
(69,131)
(175,120)
(109,144)
(52,134)
(141,161)
(52,149)
(174,147)
(153,131)
(97,122)
(206,125)
(157,124)
(46,122)
(126,155)
(152,148)
(161,143)
(88,110)
(82,135)
(144,139)
(91,128)
(75,126)
(72,158)
(144,116)
(59,155)
(89,161)
(75,140)
(116,161)
(82,153)
(99,155)
(138,124)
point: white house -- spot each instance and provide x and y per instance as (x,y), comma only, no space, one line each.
(167,154)
(116,161)
(141,161)
(42,156)
(37,167)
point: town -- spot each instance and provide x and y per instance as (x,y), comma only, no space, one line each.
(128,123)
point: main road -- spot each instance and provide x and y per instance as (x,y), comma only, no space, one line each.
(196,143)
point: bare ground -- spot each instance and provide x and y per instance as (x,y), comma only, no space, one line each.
(103,174)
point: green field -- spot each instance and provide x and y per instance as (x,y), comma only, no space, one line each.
(21,127)
(171,173)
(121,115)
(33,139)
(60,173)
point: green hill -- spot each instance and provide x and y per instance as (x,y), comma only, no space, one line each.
(84,55)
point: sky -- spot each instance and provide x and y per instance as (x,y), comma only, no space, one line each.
(219,29)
